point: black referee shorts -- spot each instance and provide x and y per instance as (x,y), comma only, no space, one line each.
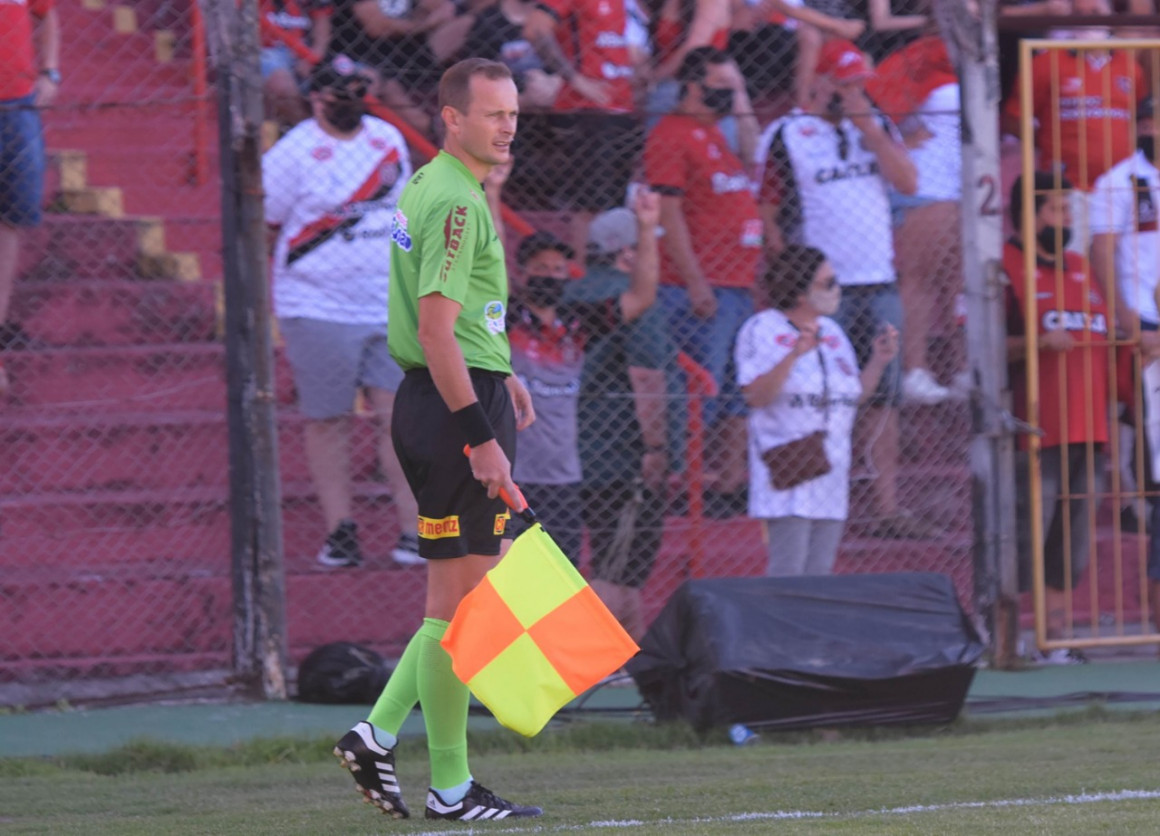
(455,515)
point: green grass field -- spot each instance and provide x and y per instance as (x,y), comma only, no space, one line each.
(1093,773)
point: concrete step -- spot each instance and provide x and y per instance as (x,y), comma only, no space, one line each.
(128,530)
(166,452)
(147,378)
(104,312)
(62,621)
(68,246)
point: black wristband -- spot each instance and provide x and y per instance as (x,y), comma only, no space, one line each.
(473,423)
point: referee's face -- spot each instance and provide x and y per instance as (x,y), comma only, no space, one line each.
(486,131)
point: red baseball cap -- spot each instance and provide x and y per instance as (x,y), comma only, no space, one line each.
(843,62)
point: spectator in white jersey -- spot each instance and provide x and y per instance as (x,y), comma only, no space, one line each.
(800,377)
(827,173)
(331,186)
(1124,220)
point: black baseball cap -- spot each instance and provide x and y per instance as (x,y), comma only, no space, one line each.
(539,241)
(340,74)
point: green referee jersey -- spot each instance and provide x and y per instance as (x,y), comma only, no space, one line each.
(443,241)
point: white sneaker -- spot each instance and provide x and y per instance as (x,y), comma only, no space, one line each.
(919,386)
(1059,656)
(406,551)
(961,385)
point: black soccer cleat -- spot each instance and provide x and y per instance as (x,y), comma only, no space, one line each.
(373,768)
(480,804)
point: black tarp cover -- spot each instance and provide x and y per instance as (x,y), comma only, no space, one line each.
(809,651)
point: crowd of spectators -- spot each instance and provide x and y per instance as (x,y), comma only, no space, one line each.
(804,264)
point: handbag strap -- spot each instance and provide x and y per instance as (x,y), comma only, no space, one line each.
(825,383)
(825,375)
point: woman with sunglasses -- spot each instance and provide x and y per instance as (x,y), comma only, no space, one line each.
(800,377)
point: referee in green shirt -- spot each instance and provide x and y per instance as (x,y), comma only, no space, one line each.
(448,307)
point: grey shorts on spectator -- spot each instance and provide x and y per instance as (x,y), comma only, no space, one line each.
(331,360)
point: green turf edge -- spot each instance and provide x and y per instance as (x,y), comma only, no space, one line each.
(146,755)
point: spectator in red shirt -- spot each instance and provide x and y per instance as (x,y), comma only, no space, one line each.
(591,128)
(1072,328)
(283,71)
(712,239)
(1084,103)
(29,76)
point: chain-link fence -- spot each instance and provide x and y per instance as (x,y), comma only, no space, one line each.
(113,486)
(791,402)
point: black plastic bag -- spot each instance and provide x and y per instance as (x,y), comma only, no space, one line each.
(342,673)
(809,651)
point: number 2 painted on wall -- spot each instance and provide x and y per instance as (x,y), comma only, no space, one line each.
(989,206)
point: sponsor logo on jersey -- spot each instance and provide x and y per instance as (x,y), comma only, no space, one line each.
(433,529)
(453,228)
(399,232)
(835,173)
(724,183)
(494,315)
(288,20)
(1057,320)
(322,153)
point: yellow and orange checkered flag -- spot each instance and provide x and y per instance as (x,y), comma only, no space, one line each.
(533,635)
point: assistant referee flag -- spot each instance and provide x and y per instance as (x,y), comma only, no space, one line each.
(533,635)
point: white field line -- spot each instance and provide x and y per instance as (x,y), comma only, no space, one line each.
(779,815)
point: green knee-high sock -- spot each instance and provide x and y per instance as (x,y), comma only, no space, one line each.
(444,700)
(401,692)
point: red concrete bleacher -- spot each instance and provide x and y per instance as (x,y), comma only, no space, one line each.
(114,515)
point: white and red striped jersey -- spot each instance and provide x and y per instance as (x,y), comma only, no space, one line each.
(334,201)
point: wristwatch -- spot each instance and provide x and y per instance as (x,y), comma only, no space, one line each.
(51,74)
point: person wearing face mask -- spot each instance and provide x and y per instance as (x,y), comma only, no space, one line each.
(711,246)
(1125,257)
(550,336)
(828,172)
(331,187)
(1071,322)
(799,375)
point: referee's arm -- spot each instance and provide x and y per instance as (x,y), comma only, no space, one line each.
(437,316)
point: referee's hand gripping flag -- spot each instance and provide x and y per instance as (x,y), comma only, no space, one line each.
(533,635)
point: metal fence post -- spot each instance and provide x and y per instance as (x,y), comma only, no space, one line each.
(260,647)
(974,44)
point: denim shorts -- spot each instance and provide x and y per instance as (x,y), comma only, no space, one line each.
(865,309)
(22,163)
(274,58)
(710,341)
